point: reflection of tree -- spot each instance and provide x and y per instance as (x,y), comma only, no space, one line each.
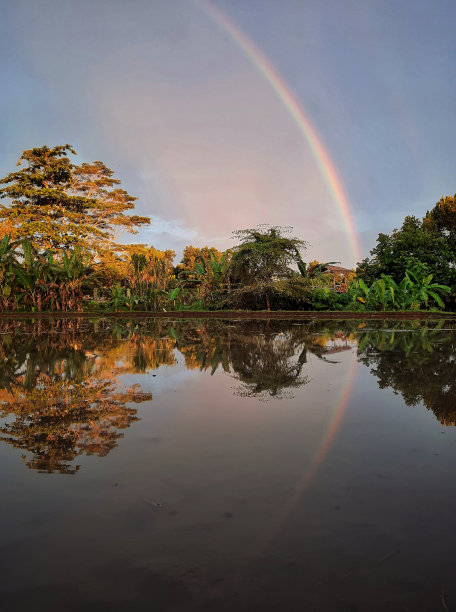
(418,363)
(266,356)
(61,419)
(60,396)
(204,346)
(270,364)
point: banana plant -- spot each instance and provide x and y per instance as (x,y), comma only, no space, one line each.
(200,267)
(422,289)
(219,268)
(414,291)
(212,276)
(173,295)
(120,297)
(35,277)
(9,297)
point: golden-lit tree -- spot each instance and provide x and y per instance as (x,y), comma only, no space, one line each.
(58,205)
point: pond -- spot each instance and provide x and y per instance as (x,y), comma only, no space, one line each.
(155,464)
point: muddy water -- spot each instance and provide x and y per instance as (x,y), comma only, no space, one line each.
(227,465)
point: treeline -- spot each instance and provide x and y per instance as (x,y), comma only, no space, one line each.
(59,252)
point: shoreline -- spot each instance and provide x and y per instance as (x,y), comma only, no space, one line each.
(234,314)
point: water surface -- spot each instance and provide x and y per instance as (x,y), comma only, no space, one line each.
(227,465)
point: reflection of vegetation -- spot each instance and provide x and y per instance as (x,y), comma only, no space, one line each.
(60,396)
(266,356)
(261,356)
(61,390)
(269,365)
(418,363)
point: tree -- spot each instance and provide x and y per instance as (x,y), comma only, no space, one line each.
(415,242)
(57,205)
(264,256)
(442,219)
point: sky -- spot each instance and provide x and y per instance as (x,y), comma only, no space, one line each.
(336,117)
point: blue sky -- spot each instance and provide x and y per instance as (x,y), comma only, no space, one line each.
(163,95)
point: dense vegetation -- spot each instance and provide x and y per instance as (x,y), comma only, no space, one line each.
(58,252)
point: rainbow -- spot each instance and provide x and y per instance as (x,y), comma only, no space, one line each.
(289,100)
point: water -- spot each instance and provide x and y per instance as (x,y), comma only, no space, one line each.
(227,465)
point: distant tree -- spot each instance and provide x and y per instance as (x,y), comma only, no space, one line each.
(150,271)
(57,205)
(416,241)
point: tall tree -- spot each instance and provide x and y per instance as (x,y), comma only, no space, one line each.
(264,255)
(56,204)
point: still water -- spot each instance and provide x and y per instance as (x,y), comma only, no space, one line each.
(227,465)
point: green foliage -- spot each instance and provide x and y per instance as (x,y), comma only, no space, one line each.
(57,252)
(151,274)
(9,299)
(173,294)
(264,253)
(205,272)
(416,242)
(415,291)
(325,298)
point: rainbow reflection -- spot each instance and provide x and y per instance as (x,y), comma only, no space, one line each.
(307,477)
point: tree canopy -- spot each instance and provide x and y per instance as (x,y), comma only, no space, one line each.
(264,253)
(57,205)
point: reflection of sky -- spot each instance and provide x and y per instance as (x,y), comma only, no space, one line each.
(162,379)
(160,93)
